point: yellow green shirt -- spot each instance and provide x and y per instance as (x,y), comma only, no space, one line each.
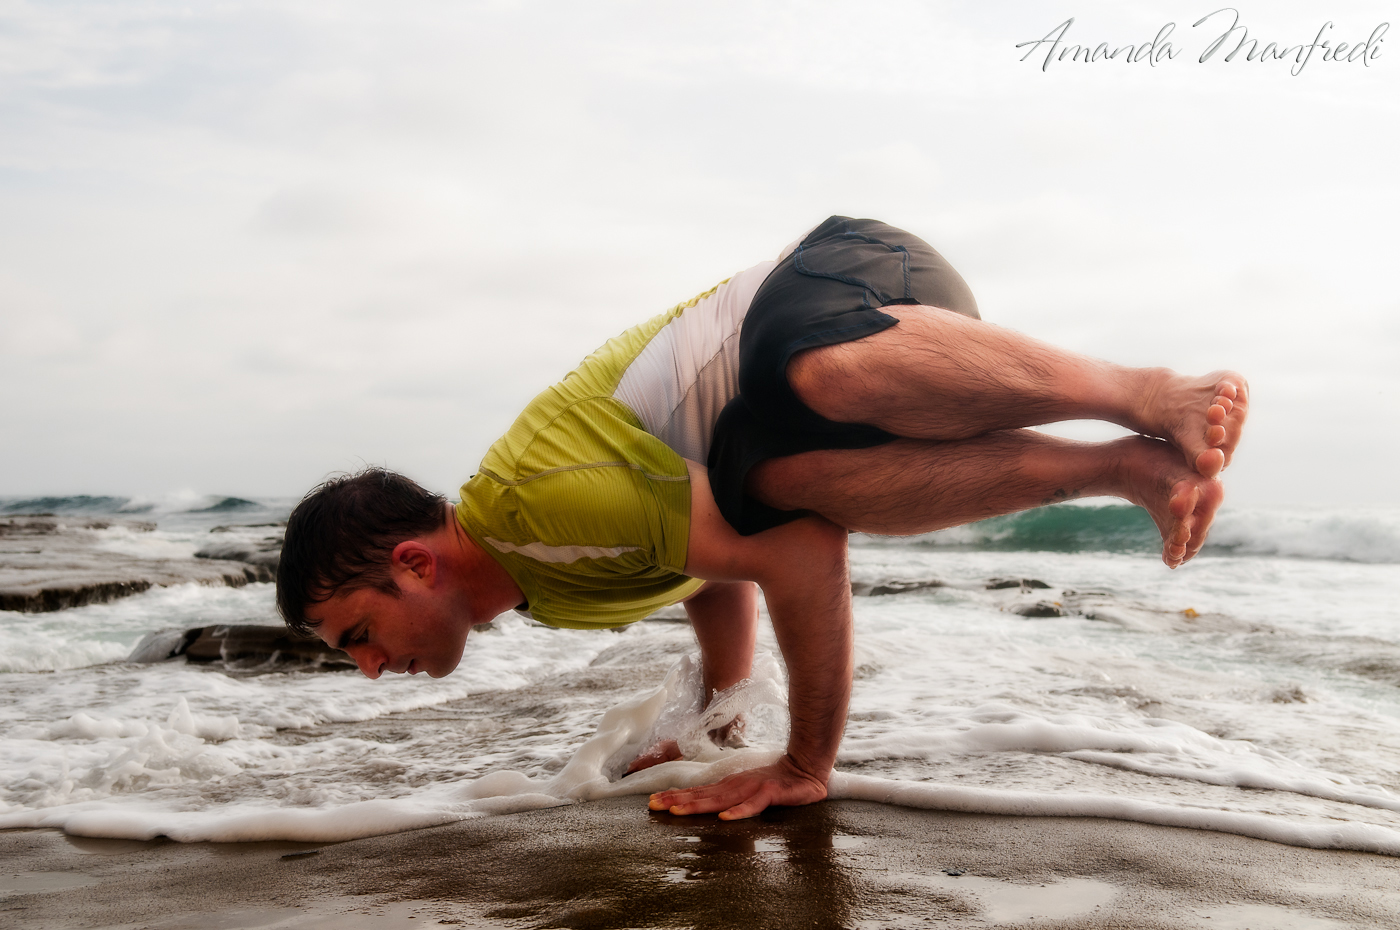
(585,501)
(586,510)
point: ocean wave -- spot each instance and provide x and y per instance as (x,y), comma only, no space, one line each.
(100,505)
(228,505)
(1350,536)
(1370,536)
(72,504)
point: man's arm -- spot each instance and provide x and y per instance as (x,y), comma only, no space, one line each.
(802,568)
(724,615)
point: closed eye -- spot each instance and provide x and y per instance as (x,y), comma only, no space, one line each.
(356,636)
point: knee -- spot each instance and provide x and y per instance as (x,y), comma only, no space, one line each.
(814,374)
(802,376)
(825,540)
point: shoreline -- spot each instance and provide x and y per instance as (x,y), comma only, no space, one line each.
(607,864)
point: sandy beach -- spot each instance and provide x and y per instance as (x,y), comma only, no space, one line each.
(612,864)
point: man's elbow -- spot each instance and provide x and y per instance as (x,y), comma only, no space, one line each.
(811,549)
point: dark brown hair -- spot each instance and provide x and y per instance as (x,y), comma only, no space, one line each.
(342,534)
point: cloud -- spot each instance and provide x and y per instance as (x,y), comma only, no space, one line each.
(312,211)
(270,226)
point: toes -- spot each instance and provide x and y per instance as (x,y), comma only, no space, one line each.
(1183,498)
(1177,539)
(1217,412)
(1215,435)
(1223,402)
(1173,554)
(1210,462)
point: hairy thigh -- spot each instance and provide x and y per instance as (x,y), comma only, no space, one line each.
(878,490)
(870,379)
(936,374)
(906,486)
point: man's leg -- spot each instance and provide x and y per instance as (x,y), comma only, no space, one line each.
(916,486)
(941,375)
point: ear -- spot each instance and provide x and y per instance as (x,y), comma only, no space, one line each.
(413,561)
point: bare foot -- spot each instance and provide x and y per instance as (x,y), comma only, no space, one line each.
(1203,417)
(1182,502)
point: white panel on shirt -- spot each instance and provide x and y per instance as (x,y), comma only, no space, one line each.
(681,381)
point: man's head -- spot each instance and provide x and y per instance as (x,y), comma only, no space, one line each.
(351,544)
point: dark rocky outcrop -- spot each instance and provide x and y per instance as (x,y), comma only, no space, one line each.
(239,646)
(1042,609)
(264,553)
(47,524)
(1025,584)
(879,589)
(50,562)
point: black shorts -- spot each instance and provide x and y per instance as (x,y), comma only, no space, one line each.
(831,289)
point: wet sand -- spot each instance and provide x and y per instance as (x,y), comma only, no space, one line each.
(612,864)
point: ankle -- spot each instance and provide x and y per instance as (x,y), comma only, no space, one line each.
(1143,390)
(1122,467)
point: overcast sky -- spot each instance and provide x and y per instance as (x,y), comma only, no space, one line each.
(243,245)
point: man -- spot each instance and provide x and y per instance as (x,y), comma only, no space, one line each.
(848,386)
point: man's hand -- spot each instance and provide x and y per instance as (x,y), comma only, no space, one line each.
(665,751)
(745,794)
(730,736)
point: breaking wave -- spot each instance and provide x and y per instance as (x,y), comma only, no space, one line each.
(105,505)
(76,503)
(1349,536)
(1371,536)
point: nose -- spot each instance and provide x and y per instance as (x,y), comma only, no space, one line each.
(371,661)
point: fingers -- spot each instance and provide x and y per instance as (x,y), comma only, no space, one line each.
(707,799)
(743,794)
(756,803)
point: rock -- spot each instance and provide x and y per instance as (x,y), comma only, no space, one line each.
(265,554)
(261,550)
(162,645)
(46,524)
(1041,609)
(239,645)
(52,563)
(1025,584)
(866,589)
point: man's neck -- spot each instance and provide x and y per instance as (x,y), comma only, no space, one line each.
(490,588)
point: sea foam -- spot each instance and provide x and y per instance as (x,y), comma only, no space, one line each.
(1251,691)
(170,752)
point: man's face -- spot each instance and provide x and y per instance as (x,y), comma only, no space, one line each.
(413,633)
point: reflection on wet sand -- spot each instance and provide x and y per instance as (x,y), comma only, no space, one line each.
(611,864)
(791,856)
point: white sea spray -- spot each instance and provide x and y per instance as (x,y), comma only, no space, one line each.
(1254,692)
